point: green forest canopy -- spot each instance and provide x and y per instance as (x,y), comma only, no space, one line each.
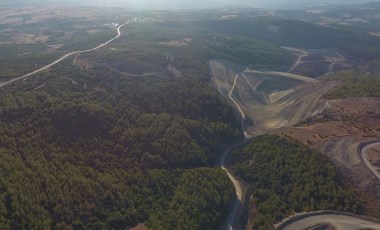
(355,84)
(286,177)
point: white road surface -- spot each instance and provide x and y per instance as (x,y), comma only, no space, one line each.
(337,221)
(66,56)
(238,189)
(363,156)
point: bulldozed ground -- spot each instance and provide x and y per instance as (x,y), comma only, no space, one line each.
(292,105)
(269,100)
(319,62)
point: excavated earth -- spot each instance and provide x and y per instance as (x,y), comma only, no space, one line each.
(280,103)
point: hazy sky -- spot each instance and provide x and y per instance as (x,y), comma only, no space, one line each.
(177,4)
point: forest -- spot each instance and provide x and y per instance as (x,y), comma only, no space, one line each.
(95,148)
(298,33)
(355,84)
(91,147)
(111,157)
(110,139)
(286,177)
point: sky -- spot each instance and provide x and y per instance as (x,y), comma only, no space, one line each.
(179,4)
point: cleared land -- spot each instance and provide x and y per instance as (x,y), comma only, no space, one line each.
(318,62)
(273,102)
(270,99)
(370,154)
(344,125)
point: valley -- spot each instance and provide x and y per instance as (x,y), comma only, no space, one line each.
(235,118)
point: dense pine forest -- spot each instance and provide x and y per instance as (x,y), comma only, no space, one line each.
(109,139)
(286,177)
(132,132)
(112,157)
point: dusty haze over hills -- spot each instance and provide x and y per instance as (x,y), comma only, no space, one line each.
(180,4)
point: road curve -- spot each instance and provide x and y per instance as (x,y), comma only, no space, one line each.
(336,220)
(66,56)
(238,189)
(362,149)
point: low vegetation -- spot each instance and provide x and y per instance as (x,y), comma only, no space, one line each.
(355,84)
(286,177)
(298,33)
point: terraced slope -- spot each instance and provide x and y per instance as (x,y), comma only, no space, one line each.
(269,100)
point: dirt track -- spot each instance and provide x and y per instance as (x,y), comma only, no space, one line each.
(332,219)
(363,149)
(238,88)
(318,62)
(275,101)
(229,225)
(269,109)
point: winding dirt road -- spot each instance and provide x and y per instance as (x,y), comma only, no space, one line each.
(269,100)
(231,84)
(322,219)
(66,56)
(363,149)
(238,189)
(241,89)
(299,59)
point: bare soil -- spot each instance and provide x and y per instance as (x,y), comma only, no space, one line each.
(374,156)
(337,132)
(316,63)
(270,99)
(140,227)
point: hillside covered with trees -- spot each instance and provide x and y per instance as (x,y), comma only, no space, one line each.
(286,177)
(95,148)
(128,153)
(131,133)
(355,84)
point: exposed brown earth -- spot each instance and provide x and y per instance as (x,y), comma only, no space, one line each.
(178,43)
(269,100)
(328,220)
(16,16)
(316,63)
(139,227)
(276,102)
(337,132)
(374,157)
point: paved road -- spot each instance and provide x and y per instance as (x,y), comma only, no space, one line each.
(66,56)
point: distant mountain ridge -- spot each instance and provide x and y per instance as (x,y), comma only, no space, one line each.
(181,4)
